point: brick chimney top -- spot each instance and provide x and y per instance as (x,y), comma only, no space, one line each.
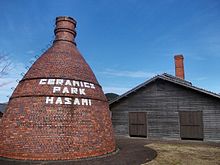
(179,66)
(65,29)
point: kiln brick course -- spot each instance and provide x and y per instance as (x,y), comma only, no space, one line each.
(48,119)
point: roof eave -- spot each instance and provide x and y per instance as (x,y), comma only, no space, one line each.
(163,77)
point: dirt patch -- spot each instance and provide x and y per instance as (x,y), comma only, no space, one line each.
(185,153)
(133,152)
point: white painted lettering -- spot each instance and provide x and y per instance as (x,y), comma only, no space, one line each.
(81,84)
(59,82)
(67,101)
(62,86)
(65,90)
(68,82)
(43,81)
(74,90)
(75,83)
(76,101)
(59,101)
(92,86)
(56,89)
(49,100)
(86,84)
(84,101)
(51,81)
(82,91)
(90,102)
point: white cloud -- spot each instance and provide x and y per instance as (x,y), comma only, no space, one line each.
(5,82)
(200,78)
(199,58)
(128,76)
(132,74)
(117,90)
(30,52)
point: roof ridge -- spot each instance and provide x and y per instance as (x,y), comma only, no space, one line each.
(183,81)
(170,78)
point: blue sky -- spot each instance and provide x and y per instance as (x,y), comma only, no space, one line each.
(126,42)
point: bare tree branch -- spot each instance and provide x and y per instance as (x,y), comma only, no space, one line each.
(4,65)
(4,68)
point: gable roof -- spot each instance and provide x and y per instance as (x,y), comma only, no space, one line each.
(166,77)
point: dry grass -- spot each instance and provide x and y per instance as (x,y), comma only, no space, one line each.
(184,154)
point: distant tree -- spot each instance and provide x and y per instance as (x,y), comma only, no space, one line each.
(111,96)
(1,114)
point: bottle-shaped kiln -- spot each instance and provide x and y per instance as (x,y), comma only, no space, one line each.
(58,110)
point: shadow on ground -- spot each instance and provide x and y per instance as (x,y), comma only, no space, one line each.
(131,152)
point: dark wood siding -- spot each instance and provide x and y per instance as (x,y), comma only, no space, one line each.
(191,125)
(137,124)
(163,100)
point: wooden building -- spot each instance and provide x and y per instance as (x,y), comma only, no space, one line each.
(167,107)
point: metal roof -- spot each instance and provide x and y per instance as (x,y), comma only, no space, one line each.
(166,77)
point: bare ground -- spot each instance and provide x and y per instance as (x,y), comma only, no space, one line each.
(136,151)
(185,153)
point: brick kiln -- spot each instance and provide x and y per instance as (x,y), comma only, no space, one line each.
(58,110)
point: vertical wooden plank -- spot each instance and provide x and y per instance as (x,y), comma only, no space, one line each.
(191,124)
(142,124)
(199,124)
(133,128)
(137,124)
(133,118)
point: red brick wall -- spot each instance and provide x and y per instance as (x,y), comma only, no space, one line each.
(35,129)
(179,66)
